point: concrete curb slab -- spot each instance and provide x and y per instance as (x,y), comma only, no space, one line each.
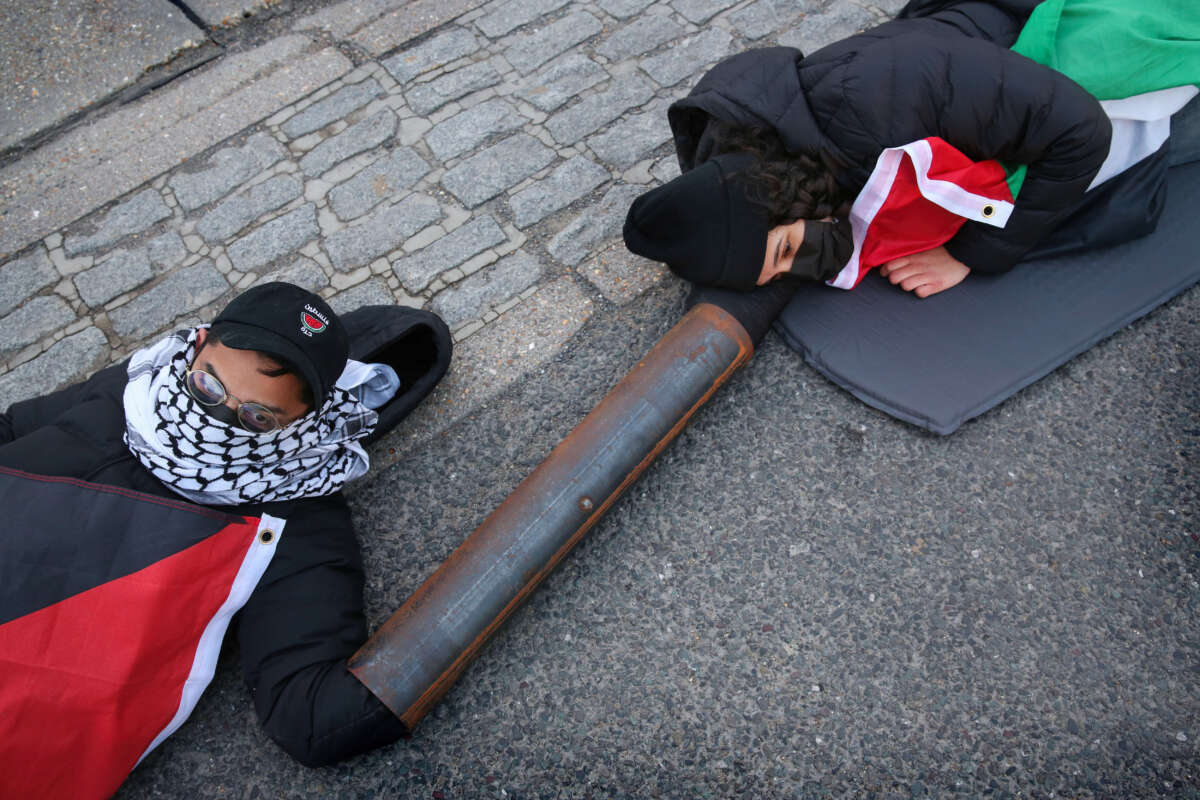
(85,52)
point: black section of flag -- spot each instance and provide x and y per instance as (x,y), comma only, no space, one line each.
(63,536)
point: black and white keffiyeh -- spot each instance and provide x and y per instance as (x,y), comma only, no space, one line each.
(210,462)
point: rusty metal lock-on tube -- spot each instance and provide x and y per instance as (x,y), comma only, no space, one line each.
(416,656)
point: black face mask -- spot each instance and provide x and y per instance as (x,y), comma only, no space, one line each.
(826,248)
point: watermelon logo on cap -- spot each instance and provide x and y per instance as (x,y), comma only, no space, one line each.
(313,321)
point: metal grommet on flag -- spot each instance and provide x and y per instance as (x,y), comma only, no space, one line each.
(270,531)
(989,211)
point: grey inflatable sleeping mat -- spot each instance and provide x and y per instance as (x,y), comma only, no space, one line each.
(940,361)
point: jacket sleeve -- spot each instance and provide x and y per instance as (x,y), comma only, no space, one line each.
(301,624)
(990,103)
(26,416)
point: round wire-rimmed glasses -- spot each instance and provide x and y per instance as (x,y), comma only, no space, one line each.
(206,390)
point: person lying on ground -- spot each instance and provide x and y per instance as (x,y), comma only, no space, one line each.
(777,148)
(261,413)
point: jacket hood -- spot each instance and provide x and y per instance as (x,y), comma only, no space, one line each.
(759,88)
(413,342)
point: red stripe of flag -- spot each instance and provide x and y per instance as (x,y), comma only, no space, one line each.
(88,683)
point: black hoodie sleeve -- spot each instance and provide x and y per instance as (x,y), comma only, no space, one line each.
(988,102)
(26,416)
(301,624)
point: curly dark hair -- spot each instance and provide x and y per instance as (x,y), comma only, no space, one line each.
(790,186)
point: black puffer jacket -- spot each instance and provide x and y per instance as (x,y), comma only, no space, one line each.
(949,74)
(305,617)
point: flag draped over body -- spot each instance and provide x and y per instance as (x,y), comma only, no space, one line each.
(113,605)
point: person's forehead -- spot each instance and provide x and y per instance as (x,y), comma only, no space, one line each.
(234,365)
(249,358)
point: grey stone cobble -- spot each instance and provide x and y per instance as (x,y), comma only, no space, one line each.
(620,275)
(407,21)
(275,239)
(566,184)
(431,54)
(23,277)
(562,80)
(665,169)
(70,358)
(373,292)
(595,227)
(425,98)
(826,26)
(37,318)
(343,19)
(550,76)
(469,299)
(226,170)
(360,137)
(762,18)
(623,9)
(505,16)
(632,139)
(235,213)
(133,216)
(465,242)
(595,111)
(68,266)
(303,272)
(126,146)
(122,271)
(344,280)
(533,49)
(469,129)
(688,57)
(342,102)
(385,178)
(329,222)
(488,173)
(700,11)
(167,250)
(181,292)
(640,36)
(380,233)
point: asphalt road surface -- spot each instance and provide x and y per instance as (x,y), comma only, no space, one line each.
(801,598)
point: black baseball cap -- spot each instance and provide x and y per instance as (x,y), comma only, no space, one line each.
(285,321)
(703,225)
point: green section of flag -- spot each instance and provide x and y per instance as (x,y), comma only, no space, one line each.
(1113,48)
(1016,177)
(1116,48)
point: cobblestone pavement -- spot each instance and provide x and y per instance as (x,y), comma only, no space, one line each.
(481,169)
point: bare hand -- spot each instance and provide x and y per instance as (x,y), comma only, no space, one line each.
(925,273)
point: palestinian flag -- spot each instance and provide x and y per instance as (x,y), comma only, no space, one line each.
(917,198)
(113,605)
